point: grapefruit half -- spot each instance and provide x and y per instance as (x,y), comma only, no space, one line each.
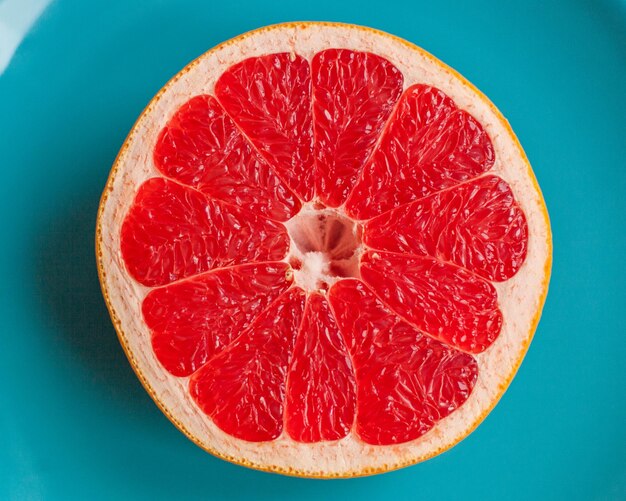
(324,251)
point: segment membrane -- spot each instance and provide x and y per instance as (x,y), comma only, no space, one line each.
(243,387)
(446,302)
(201,147)
(477,225)
(353,95)
(321,387)
(429,145)
(269,98)
(194,319)
(406,381)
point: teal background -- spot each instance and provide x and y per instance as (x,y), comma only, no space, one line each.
(75,422)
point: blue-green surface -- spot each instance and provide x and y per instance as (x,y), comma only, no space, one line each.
(75,422)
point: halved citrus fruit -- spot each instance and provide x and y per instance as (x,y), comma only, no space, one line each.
(324,251)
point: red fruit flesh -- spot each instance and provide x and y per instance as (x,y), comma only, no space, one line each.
(353,95)
(406,381)
(429,145)
(269,98)
(194,319)
(419,235)
(201,147)
(172,232)
(476,225)
(321,388)
(447,302)
(243,387)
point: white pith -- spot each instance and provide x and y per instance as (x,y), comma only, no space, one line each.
(520,298)
(314,271)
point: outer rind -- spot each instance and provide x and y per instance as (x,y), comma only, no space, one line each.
(441,443)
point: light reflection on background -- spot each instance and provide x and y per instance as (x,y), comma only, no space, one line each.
(16,19)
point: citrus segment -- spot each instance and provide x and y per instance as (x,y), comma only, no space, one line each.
(201,147)
(428,145)
(406,381)
(270,99)
(440,299)
(172,232)
(353,95)
(320,385)
(194,319)
(477,225)
(243,387)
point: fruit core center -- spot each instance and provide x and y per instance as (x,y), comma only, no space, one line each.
(325,247)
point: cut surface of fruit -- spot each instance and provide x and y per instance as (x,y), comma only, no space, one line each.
(429,145)
(270,99)
(354,93)
(406,380)
(194,319)
(243,388)
(173,232)
(449,303)
(320,393)
(483,230)
(324,252)
(201,147)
